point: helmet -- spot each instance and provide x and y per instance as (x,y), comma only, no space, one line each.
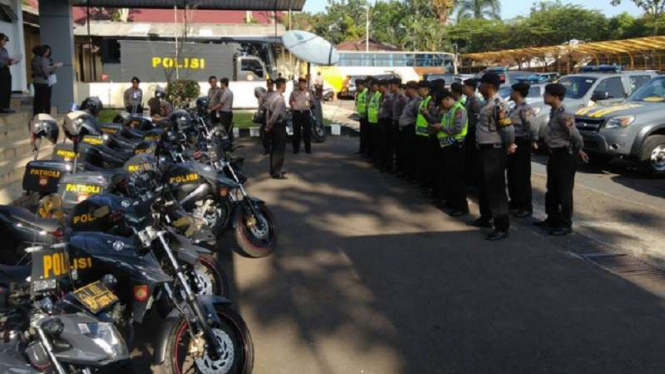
(121,117)
(202,105)
(44,126)
(92,105)
(181,120)
(259,91)
(81,123)
(160,93)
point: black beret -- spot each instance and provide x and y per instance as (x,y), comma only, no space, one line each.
(522,88)
(384,82)
(471,83)
(135,79)
(301,79)
(423,84)
(280,81)
(491,78)
(556,89)
(443,94)
(412,84)
(396,81)
(456,87)
(360,81)
(373,82)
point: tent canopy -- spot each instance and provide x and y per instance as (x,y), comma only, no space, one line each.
(283,5)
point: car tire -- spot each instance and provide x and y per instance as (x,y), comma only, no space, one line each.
(652,157)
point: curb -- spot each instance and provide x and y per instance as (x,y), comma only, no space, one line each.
(333,129)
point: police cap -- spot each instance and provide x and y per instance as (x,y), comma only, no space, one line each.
(556,89)
(423,84)
(456,87)
(471,83)
(396,80)
(384,82)
(522,88)
(373,82)
(360,81)
(444,94)
(412,85)
(492,79)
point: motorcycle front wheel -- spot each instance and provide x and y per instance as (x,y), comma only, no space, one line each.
(318,132)
(256,236)
(187,355)
(210,280)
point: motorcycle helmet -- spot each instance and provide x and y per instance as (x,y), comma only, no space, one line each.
(121,117)
(44,126)
(81,123)
(259,91)
(181,121)
(139,122)
(202,105)
(92,105)
(160,93)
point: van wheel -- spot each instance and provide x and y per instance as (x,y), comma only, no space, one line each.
(652,159)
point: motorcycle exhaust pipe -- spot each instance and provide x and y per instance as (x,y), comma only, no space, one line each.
(200,191)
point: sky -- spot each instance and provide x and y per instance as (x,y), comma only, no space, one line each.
(513,8)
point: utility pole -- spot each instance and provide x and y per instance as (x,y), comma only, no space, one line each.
(367,28)
(175,24)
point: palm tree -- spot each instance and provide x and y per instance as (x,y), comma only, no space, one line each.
(478,9)
(442,8)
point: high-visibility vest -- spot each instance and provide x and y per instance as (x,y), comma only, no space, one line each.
(448,121)
(361,103)
(373,108)
(421,121)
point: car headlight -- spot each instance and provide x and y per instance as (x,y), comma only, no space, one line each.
(107,338)
(619,122)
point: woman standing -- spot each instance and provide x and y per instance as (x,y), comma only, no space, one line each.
(43,78)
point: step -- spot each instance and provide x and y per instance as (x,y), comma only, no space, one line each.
(20,117)
(21,101)
(12,170)
(15,132)
(11,193)
(15,148)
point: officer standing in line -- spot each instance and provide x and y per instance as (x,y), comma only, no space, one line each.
(373,120)
(434,164)
(399,101)
(361,108)
(450,133)
(472,106)
(565,145)
(421,134)
(276,127)
(495,137)
(214,119)
(301,103)
(264,101)
(407,125)
(519,163)
(134,97)
(457,90)
(386,124)
(226,106)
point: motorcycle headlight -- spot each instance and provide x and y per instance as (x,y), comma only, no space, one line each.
(107,338)
(619,122)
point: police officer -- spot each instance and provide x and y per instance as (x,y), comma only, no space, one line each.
(565,146)
(399,101)
(472,106)
(386,124)
(422,141)
(519,163)
(495,138)
(450,133)
(276,127)
(361,109)
(457,90)
(212,97)
(133,97)
(300,102)
(407,126)
(373,107)
(5,76)
(264,101)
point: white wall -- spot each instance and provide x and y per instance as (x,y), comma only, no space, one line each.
(16,45)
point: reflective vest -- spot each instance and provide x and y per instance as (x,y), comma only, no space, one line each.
(448,121)
(373,108)
(361,103)
(421,121)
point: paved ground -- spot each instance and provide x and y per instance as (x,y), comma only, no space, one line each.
(368,278)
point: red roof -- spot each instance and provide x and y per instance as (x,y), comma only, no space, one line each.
(166,16)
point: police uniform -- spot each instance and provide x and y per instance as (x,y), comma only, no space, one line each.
(494,134)
(433,158)
(422,142)
(519,163)
(472,106)
(373,108)
(264,101)
(213,100)
(454,127)
(226,111)
(407,124)
(133,98)
(5,80)
(386,123)
(361,108)
(277,128)
(300,102)
(564,142)
(399,102)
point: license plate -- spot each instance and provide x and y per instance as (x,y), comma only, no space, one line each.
(95,297)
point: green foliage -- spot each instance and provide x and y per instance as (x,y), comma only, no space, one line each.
(182,92)
(478,9)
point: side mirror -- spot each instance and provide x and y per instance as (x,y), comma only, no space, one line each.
(600,95)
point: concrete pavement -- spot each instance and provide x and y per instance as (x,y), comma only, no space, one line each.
(369,278)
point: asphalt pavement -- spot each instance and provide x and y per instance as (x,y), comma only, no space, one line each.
(369,278)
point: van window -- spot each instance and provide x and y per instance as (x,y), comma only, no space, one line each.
(613,86)
(252,65)
(637,81)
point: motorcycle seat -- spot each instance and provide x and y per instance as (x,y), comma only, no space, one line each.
(14,274)
(25,216)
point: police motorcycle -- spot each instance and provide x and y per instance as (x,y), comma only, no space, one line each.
(45,332)
(213,190)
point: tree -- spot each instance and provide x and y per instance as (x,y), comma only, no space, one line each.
(443,8)
(653,8)
(479,9)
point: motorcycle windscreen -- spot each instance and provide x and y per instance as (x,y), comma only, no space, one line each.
(49,267)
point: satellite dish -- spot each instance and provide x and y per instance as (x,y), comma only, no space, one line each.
(310,48)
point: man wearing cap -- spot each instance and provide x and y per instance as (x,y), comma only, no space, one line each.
(361,108)
(386,123)
(457,90)
(373,107)
(519,163)
(399,101)
(422,141)
(276,127)
(472,106)
(495,138)
(300,102)
(565,145)
(407,126)
(133,98)
(264,101)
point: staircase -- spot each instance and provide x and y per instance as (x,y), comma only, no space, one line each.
(15,148)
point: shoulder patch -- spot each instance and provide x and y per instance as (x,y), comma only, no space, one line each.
(458,114)
(568,119)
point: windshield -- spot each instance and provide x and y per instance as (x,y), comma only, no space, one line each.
(534,92)
(654,91)
(577,87)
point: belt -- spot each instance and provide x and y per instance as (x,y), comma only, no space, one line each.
(490,146)
(568,150)
(299,111)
